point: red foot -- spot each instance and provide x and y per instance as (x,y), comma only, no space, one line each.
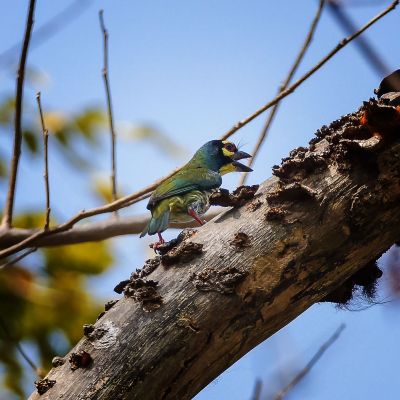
(161,241)
(194,215)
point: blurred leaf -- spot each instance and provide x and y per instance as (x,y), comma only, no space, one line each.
(88,122)
(3,169)
(48,308)
(31,141)
(102,189)
(87,258)
(29,220)
(157,138)
(7,110)
(56,122)
(36,76)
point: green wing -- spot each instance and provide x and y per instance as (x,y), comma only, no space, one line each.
(184,181)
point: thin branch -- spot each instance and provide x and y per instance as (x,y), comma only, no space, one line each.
(365,47)
(257,390)
(8,210)
(109,106)
(46,163)
(344,42)
(36,369)
(91,232)
(144,193)
(285,84)
(18,258)
(311,363)
(116,205)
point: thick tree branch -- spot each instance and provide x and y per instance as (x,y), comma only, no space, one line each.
(8,210)
(191,313)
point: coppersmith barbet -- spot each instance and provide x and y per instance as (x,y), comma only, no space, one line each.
(185,195)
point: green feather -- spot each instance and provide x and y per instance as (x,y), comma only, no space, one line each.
(184,181)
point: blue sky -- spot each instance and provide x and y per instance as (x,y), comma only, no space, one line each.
(192,69)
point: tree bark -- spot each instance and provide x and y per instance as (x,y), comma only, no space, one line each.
(330,210)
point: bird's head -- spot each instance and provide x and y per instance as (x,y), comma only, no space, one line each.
(221,156)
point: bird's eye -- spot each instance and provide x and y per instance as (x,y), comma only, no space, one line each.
(230,147)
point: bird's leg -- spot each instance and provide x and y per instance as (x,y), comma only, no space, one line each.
(159,243)
(160,238)
(194,215)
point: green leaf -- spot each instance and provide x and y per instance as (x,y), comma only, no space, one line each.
(7,111)
(3,169)
(31,141)
(86,258)
(88,122)
(30,220)
(158,139)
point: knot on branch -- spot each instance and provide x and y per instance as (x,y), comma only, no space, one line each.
(43,385)
(290,193)
(180,249)
(241,241)
(223,280)
(144,292)
(353,138)
(239,197)
(81,359)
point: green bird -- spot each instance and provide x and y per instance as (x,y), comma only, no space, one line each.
(185,195)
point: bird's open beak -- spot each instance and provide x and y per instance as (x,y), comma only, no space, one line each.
(239,155)
(239,167)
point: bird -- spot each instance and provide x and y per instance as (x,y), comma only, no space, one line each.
(184,196)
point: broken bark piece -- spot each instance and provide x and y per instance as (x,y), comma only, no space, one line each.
(183,253)
(43,385)
(240,241)
(110,304)
(81,359)
(237,198)
(144,292)
(275,214)
(223,280)
(57,361)
(291,192)
(390,83)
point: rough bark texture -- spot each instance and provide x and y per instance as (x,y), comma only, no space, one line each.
(187,316)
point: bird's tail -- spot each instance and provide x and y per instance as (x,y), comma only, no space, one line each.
(156,224)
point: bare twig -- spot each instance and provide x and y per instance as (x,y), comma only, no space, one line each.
(311,363)
(115,205)
(144,193)
(18,258)
(92,231)
(8,210)
(257,390)
(285,84)
(344,42)
(109,106)
(366,48)
(46,163)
